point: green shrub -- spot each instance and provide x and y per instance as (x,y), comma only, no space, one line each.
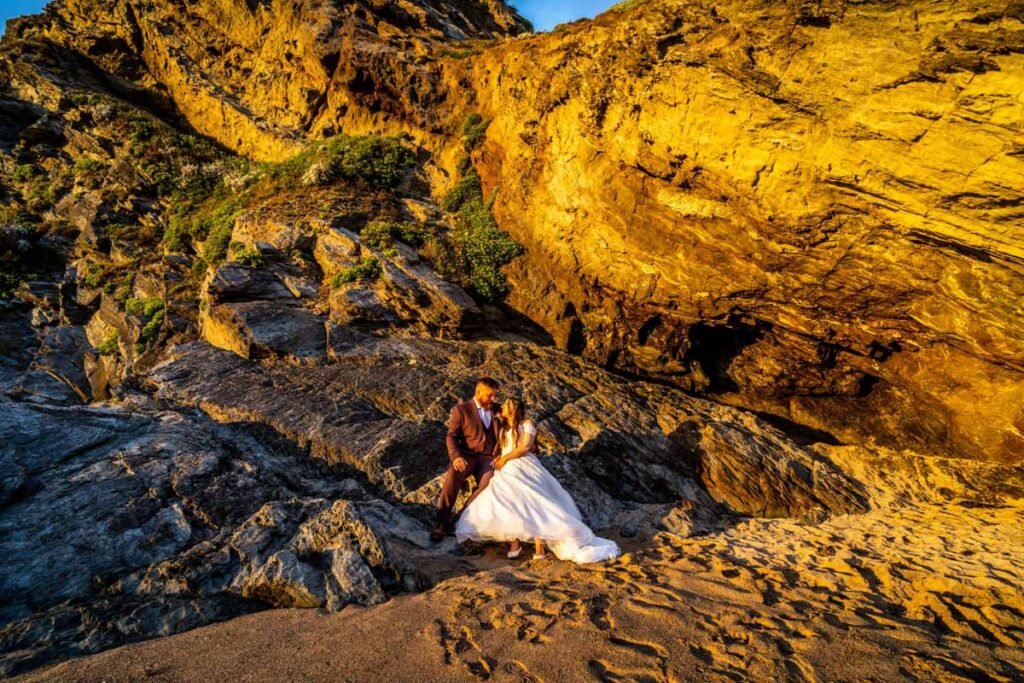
(88,166)
(123,289)
(413,234)
(464,166)
(175,164)
(152,328)
(215,248)
(144,307)
(246,255)
(44,193)
(464,189)
(23,173)
(376,235)
(195,217)
(374,159)
(17,215)
(176,236)
(459,54)
(205,208)
(109,346)
(95,274)
(141,129)
(477,248)
(474,127)
(480,248)
(211,223)
(43,189)
(114,280)
(153,310)
(169,178)
(382,235)
(367,269)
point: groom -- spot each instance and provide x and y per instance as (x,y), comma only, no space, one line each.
(472,444)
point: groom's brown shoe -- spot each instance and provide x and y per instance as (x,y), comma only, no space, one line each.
(437,533)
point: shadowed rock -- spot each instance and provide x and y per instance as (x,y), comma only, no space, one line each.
(118,524)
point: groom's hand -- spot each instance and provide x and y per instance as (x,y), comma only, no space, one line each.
(459,464)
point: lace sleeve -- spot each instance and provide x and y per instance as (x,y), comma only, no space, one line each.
(528,428)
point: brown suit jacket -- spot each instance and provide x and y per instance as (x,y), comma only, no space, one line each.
(467,436)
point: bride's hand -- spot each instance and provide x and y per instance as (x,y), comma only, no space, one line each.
(499,462)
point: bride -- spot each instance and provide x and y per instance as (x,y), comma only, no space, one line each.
(524,501)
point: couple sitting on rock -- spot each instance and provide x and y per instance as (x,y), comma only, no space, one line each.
(516,498)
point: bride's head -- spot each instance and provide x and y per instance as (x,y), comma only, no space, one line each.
(514,412)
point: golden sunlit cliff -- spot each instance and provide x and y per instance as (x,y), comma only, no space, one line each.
(810,210)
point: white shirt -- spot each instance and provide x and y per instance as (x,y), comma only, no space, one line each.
(484,413)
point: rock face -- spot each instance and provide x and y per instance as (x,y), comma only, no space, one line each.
(816,212)
(126,523)
(811,211)
(225,65)
(252,312)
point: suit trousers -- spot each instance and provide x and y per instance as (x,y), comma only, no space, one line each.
(480,466)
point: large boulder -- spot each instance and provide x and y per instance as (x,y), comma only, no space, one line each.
(406,293)
(259,312)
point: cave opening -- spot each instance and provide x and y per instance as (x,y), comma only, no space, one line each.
(713,348)
(576,339)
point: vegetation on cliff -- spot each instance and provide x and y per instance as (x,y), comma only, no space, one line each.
(478,248)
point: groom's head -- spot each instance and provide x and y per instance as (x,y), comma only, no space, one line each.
(486,390)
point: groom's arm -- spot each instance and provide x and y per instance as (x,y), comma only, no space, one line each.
(454,433)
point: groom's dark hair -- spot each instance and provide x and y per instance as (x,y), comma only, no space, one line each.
(489,382)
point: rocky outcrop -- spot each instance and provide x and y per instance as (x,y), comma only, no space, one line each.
(406,293)
(222,64)
(810,211)
(380,403)
(121,523)
(777,204)
(252,312)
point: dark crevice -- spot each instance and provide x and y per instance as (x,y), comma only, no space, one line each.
(801,434)
(652,323)
(866,385)
(576,343)
(713,348)
(817,21)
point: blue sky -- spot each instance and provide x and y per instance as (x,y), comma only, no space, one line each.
(15,8)
(543,13)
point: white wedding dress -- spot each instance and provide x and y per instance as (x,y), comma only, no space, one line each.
(524,501)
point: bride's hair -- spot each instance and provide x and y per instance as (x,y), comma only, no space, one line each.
(517,415)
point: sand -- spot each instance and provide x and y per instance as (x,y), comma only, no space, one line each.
(924,593)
